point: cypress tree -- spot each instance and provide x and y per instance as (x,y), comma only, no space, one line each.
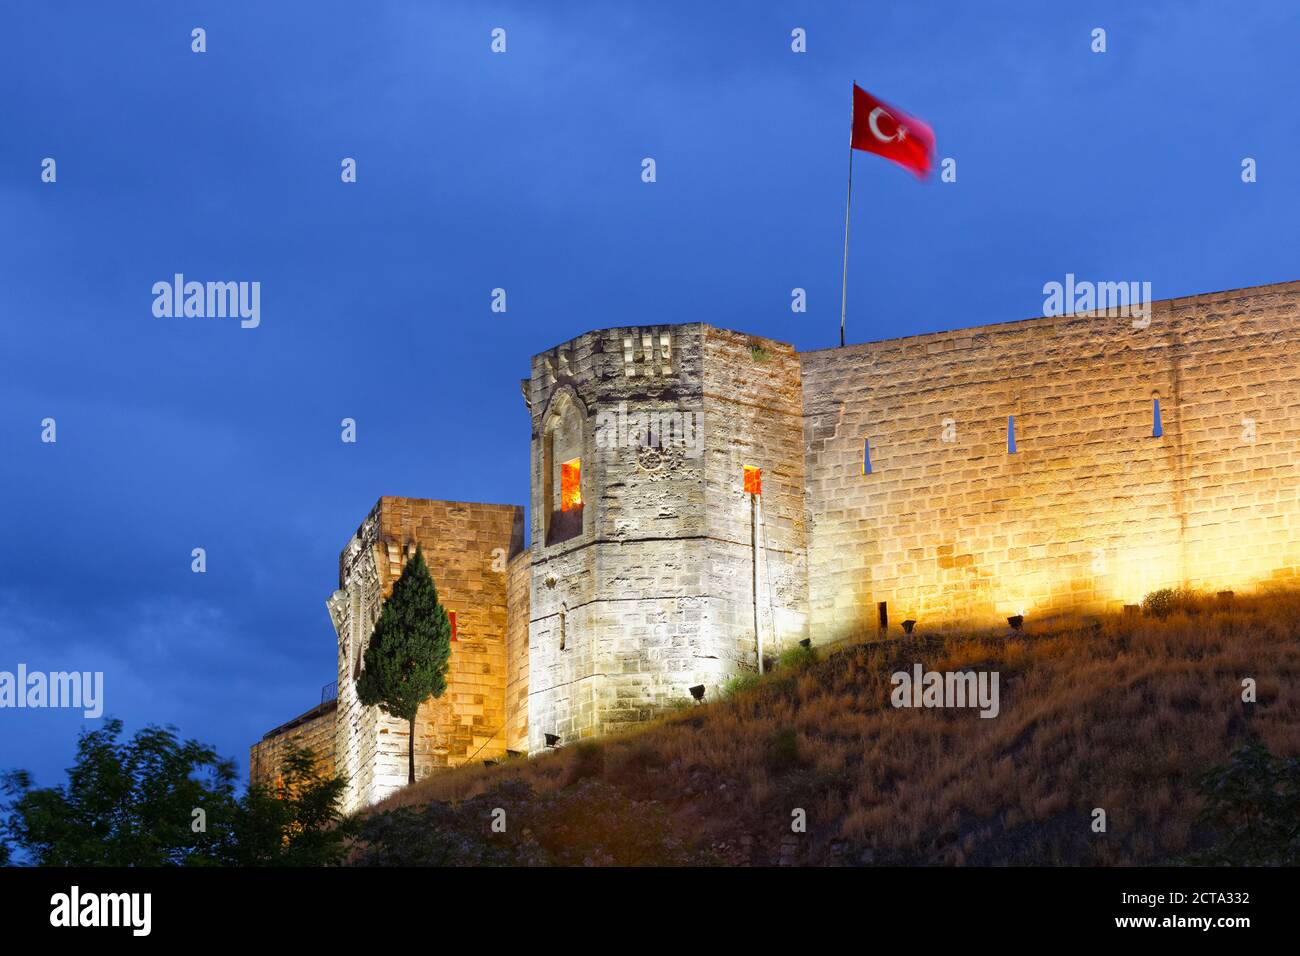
(406,661)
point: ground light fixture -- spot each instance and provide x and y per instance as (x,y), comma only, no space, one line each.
(552,740)
(698,693)
(908,625)
(806,643)
(1016,621)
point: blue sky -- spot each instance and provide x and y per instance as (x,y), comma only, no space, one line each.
(522,171)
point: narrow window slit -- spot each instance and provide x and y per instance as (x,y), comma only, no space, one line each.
(571,484)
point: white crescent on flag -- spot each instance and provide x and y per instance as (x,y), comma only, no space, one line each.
(875,129)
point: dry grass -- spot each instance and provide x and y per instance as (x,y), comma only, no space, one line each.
(1123,712)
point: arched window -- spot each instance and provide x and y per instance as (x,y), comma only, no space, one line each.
(562,478)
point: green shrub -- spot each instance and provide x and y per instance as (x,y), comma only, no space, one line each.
(738,683)
(1166,601)
(1252,809)
(798,657)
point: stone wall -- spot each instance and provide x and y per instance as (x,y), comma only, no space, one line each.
(354,608)
(650,590)
(518,584)
(313,731)
(467,547)
(1091,510)
(754,417)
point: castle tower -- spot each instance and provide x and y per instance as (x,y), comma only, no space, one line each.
(653,569)
(469,550)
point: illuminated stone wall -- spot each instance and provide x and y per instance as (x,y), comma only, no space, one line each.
(312,731)
(754,416)
(467,548)
(518,583)
(1091,510)
(650,589)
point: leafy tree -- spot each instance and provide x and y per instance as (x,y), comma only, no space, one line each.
(132,803)
(297,823)
(406,661)
(1252,809)
(126,803)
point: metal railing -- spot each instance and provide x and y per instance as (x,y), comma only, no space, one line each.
(329,692)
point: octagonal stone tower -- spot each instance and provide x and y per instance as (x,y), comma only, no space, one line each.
(653,569)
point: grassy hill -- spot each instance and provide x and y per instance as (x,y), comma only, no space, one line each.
(1126,713)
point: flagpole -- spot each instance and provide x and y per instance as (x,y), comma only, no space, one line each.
(848,203)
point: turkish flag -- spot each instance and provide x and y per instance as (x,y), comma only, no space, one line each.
(879,128)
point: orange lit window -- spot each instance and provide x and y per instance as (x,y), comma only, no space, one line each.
(753,480)
(451,616)
(571,485)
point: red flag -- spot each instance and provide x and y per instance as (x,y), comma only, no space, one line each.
(879,128)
